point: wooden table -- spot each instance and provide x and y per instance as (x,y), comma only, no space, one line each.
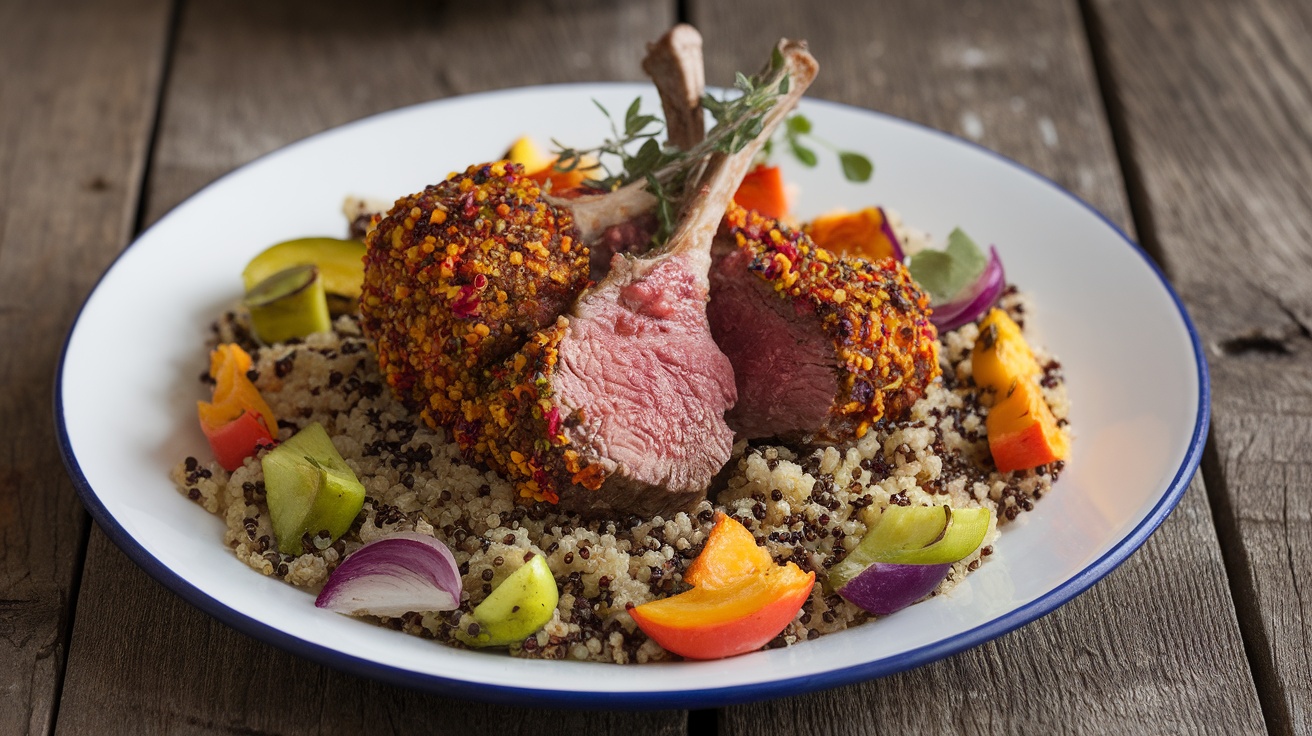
(1188,122)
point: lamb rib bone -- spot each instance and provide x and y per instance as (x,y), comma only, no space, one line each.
(724,172)
(674,63)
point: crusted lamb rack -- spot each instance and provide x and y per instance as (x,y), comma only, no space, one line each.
(459,275)
(822,347)
(618,407)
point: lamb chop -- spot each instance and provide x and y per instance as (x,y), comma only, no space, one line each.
(459,275)
(822,346)
(618,407)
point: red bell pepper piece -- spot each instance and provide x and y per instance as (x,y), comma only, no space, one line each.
(237,440)
(238,421)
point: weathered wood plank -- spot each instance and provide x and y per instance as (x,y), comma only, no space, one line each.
(292,69)
(1154,648)
(129,672)
(78,94)
(247,78)
(1215,100)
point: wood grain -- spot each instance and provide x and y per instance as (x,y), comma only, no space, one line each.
(1215,100)
(1154,648)
(262,75)
(130,674)
(74,128)
(249,77)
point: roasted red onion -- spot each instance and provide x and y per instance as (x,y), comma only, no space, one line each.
(975,299)
(886,587)
(393,576)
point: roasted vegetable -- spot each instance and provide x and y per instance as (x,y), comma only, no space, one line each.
(740,601)
(541,167)
(731,552)
(712,623)
(864,233)
(237,421)
(289,304)
(340,264)
(1022,431)
(763,191)
(518,607)
(1001,356)
(311,490)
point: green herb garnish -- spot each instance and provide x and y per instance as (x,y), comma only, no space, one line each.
(738,120)
(945,273)
(856,168)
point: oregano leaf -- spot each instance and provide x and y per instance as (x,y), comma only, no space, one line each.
(856,167)
(803,154)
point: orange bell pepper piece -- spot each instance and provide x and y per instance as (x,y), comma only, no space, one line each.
(1001,356)
(740,600)
(237,421)
(711,623)
(541,167)
(237,440)
(1022,431)
(561,181)
(763,190)
(860,233)
(731,553)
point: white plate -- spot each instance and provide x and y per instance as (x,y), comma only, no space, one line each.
(127,387)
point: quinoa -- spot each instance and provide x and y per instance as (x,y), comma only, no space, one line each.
(810,507)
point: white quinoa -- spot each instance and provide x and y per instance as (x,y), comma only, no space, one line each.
(805,506)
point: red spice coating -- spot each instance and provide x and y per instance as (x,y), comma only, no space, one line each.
(516,428)
(458,276)
(875,314)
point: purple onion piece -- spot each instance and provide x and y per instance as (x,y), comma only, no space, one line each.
(975,299)
(887,229)
(393,576)
(886,587)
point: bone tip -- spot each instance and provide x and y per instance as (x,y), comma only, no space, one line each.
(798,57)
(679,35)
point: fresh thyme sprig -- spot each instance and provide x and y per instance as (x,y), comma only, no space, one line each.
(600,161)
(738,119)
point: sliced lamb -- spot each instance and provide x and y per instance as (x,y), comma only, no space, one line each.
(618,407)
(822,346)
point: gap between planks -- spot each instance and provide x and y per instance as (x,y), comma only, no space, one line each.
(139,210)
(1243,593)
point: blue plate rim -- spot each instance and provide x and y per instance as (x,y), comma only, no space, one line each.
(663,699)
